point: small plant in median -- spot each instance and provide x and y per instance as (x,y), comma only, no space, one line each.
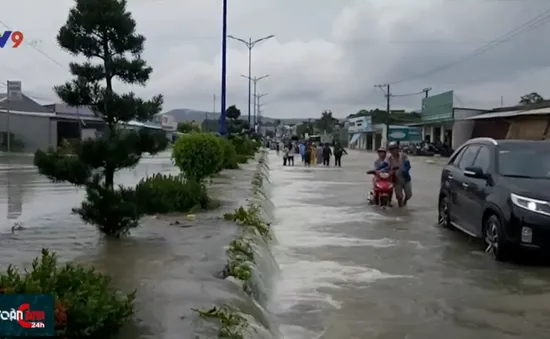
(232,324)
(86,306)
(105,32)
(250,217)
(170,193)
(198,155)
(229,155)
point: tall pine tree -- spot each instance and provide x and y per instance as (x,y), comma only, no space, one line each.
(104,32)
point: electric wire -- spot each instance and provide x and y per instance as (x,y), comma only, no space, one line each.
(531,24)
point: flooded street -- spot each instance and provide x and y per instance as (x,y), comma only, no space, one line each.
(173,268)
(352,271)
(347,270)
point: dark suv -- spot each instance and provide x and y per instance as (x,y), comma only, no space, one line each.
(499,190)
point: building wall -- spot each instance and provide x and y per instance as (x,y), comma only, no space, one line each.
(490,128)
(463,129)
(35,132)
(528,128)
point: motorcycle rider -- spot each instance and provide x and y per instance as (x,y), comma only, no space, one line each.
(382,154)
(400,163)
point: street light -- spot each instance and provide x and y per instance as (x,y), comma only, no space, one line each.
(255,82)
(258,106)
(223,130)
(250,44)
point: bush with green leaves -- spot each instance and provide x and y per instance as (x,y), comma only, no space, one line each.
(229,155)
(243,145)
(86,305)
(106,60)
(198,155)
(163,193)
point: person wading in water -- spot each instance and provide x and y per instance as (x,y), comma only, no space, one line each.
(338,152)
(327,153)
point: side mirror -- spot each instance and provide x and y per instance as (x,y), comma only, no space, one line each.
(475,172)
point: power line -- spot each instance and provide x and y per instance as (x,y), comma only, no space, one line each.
(531,24)
(33,44)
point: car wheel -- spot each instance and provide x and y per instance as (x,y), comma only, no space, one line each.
(497,247)
(444,218)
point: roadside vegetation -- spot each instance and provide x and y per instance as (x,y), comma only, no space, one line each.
(86,303)
(241,258)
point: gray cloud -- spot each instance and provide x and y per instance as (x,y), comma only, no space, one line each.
(323,57)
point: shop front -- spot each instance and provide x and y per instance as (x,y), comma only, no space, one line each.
(360,133)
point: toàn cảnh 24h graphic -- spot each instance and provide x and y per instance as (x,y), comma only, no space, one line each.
(15,39)
(26,315)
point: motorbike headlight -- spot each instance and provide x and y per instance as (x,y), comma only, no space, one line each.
(533,205)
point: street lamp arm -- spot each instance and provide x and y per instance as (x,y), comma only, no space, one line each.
(261,39)
(247,44)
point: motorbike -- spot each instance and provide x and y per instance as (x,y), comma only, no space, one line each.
(382,184)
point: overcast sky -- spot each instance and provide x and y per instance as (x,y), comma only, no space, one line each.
(327,54)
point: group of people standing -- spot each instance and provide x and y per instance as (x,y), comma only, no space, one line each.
(321,155)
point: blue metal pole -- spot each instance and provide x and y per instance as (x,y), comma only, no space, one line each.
(223,130)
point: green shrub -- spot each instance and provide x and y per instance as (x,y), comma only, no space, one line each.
(241,158)
(170,193)
(250,217)
(198,155)
(86,305)
(243,145)
(229,155)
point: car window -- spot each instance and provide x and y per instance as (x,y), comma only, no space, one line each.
(521,161)
(468,157)
(455,160)
(483,159)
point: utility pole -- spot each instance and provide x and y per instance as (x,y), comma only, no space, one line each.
(426,91)
(255,82)
(387,94)
(249,45)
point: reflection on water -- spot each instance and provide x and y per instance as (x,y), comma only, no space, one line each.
(15,193)
(174,269)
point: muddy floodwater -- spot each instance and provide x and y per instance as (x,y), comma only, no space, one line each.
(346,270)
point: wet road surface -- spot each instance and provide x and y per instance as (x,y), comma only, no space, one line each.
(347,270)
(352,271)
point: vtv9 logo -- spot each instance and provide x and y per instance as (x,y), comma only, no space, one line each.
(16,38)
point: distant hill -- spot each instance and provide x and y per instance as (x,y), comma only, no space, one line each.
(184,114)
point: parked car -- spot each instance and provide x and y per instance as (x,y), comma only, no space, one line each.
(499,191)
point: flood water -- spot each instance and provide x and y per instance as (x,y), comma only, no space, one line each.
(352,271)
(346,270)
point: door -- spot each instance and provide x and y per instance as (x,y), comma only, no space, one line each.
(459,207)
(447,179)
(475,191)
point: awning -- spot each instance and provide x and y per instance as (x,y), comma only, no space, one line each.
(354,138)
(510,114)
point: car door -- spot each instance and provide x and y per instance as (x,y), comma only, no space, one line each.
(448,182)
(474,191)
(459,207)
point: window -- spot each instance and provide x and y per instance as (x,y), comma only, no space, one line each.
(532,161)
(483,159)
(456,158)
(468,157)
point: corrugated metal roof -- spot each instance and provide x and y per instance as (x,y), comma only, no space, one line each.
(538,111)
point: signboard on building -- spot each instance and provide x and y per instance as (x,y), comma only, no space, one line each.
(167,123)
(14,91)
(360,125)
(438,108)
(404,134)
